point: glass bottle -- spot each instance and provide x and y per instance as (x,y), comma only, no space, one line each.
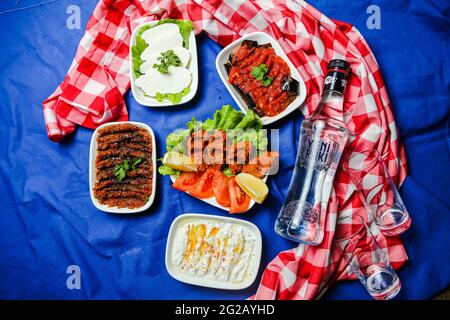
(323,137)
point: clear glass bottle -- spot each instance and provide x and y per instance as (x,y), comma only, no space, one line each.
(322,139)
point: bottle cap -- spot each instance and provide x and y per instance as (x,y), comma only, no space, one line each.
(338,72)
(339,64)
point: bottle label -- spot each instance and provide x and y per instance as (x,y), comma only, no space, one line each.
(326,151)
(336,81)
(309,213)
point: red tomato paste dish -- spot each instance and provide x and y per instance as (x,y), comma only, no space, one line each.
(262,78)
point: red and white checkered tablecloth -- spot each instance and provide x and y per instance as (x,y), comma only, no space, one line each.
(92,94)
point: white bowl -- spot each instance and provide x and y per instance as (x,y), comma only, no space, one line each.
(261,38)
(175,273)
(193,68)
(212,201)
(93,156)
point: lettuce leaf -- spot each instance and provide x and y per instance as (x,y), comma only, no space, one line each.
(227,118)
(175,98)
(208,124)
(250,129)
(175,141)
(136,52)
(168,171)
(249,121)
(194,125)
(258,138)
(224,119)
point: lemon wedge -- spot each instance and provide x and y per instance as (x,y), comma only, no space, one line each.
(253,186)
(179,161)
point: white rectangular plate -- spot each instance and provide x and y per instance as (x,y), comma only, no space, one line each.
(261,38)
(174,271)
(212,201)
(193,68)
(93,156)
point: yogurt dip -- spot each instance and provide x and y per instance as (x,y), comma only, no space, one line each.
(214,249)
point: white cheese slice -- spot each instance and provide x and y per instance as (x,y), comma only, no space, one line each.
(181,52)
(161,44)
(161,30)
(174,81)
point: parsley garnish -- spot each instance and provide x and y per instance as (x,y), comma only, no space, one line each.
(260,73)
(120,171)
(168,58)
(135,162)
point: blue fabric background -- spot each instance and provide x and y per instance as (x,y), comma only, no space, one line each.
(48,221)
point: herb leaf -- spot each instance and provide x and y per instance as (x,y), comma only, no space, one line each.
(134,162)
(126,165)
(227,172)
(120,170)
(267,81)
(260,73)
(168,58)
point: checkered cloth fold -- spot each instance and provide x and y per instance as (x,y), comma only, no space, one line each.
(91,94)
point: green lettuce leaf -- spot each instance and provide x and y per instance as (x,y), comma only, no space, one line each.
(136,52)
(227,118)
(168,171)
(175,141)
(258,138)
(250,129)
(194,125)
(175,98)
(249,121)
(208,124)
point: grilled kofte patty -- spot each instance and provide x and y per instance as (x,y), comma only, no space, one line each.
(115,144)
(266,100)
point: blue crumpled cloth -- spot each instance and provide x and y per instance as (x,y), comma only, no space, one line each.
(48,221)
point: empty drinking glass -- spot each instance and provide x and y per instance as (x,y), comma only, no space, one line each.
(378,192)
(365,257)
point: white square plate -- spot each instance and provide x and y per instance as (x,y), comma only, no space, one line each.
(193,68)
(93,156)
(261,38)
(174,271)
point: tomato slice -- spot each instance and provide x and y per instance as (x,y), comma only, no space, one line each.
(220,188)
(239,200)
(203,189)
(186,181)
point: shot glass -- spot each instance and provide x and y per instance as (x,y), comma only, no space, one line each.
(365,257)
(378,192)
